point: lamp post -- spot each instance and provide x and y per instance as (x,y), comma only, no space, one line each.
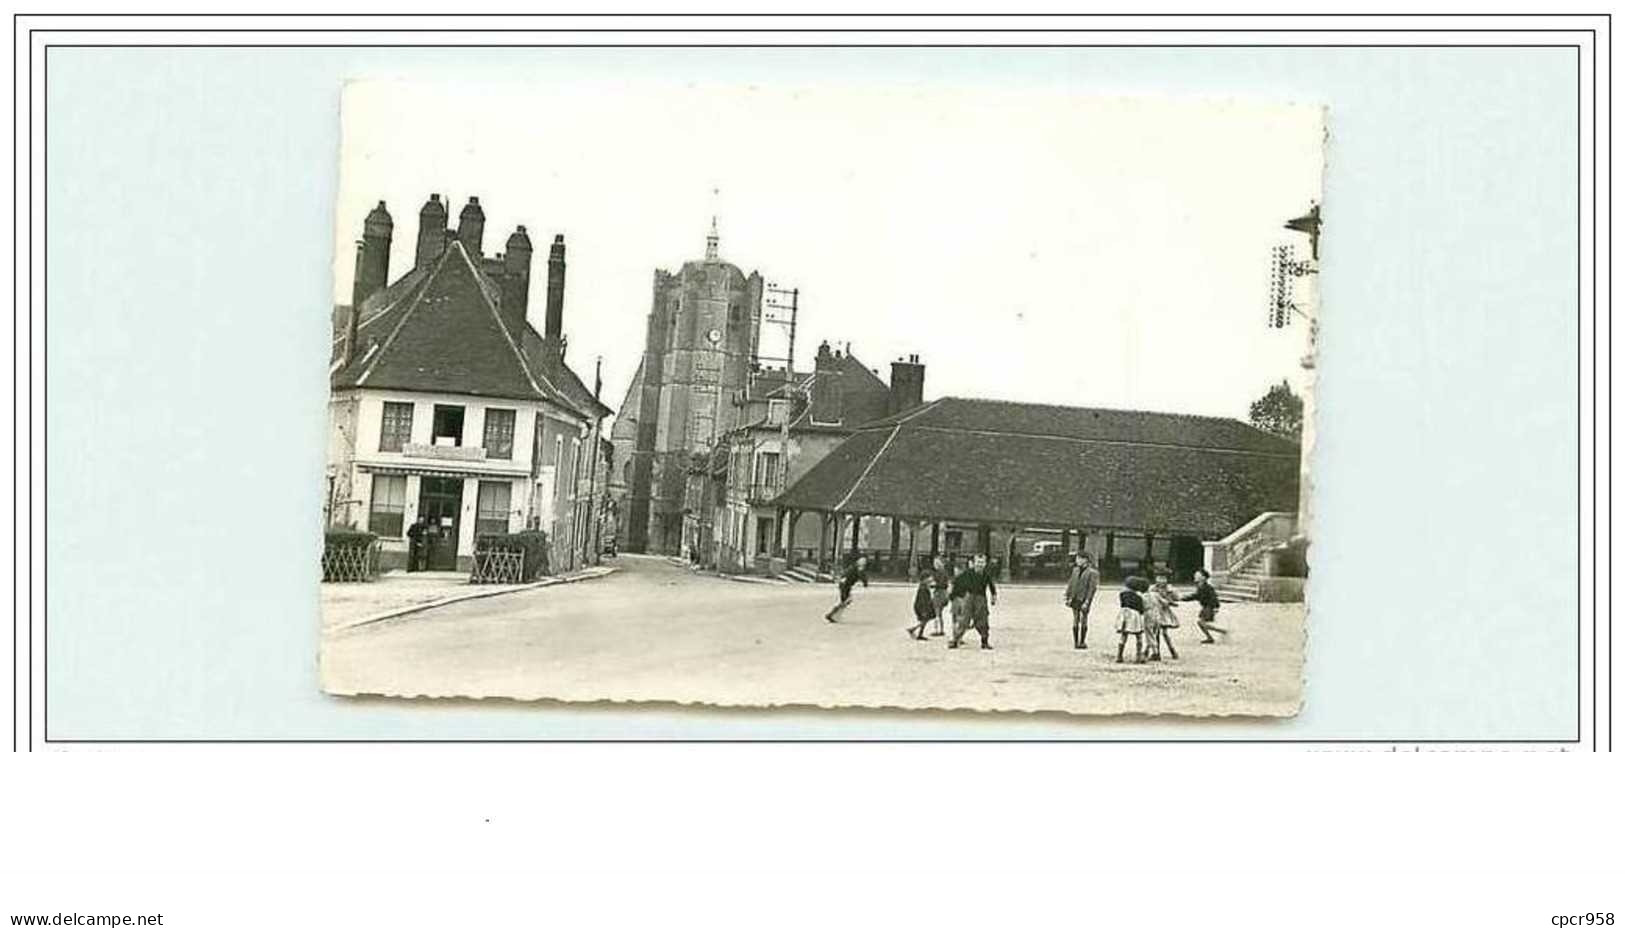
(1285,302)
(332,489)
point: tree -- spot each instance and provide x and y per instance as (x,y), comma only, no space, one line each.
(1279,412)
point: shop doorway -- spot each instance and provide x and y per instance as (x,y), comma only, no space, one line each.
(440,504)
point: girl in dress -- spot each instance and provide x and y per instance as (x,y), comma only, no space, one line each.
(1131,617)
(924,609)
(1160,617)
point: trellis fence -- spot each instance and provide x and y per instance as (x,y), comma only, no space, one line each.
(495,566)
(349,563)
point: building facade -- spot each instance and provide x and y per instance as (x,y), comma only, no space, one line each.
(790,424)
(962,476)
(446,406)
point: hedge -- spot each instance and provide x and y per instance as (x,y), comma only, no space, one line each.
(532,543)
(339,536)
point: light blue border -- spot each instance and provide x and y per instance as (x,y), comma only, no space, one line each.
(190,237)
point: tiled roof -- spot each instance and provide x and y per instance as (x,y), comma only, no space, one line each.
(551,365)
(438,330)
(861,376)
(864,396)
(1001,463)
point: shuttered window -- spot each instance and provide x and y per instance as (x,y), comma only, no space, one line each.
(491,518)
(499,434)
(397,427)
(388,509)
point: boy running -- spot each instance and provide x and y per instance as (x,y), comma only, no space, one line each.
(855,573)
(1208,598)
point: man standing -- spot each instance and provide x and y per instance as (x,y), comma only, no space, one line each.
(1080,593)
(414,545)
(855,573)
(974,591)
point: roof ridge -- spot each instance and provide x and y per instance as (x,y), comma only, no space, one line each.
(389,340)
(496,315)
(1106,441)
(1141,412)
(871,466)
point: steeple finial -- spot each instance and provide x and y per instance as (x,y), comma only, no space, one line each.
(711,240)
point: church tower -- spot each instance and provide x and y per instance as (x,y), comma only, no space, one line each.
(696,360)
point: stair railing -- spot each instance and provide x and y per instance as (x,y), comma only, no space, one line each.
(1244,545)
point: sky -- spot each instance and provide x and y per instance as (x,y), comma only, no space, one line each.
(1031,244)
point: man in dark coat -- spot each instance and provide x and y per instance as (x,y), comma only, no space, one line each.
(973,591)
(414,545)
(1080,593)
(857,572)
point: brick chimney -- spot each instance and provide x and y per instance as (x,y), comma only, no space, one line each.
(554,331)
(352,322)
(515,279)
(907,384)
(826,387)
(431,231)
(471,229)
(372,271)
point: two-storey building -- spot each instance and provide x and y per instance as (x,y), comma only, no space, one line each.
(791,421)
(446,406)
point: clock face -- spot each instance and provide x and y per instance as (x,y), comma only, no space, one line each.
(713,336)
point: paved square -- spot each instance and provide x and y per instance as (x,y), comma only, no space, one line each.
(657,632)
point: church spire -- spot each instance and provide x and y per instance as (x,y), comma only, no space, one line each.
(711,241)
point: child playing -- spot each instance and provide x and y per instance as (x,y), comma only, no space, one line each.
(925,607)
(857,573)
(1208,598)
(941,580)
(1131,617)
(1160,617)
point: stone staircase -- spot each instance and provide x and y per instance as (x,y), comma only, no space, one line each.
(805,573)
(1241,586)
(1240,561)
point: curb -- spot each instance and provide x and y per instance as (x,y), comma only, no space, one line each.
(746,578)
(596,573)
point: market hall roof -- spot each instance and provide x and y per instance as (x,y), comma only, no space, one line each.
(1003,463)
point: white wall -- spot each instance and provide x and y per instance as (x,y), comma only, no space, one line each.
(371,413)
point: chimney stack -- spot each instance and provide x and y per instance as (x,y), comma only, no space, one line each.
(907,384)
(826,387)
(372,271)
(514,281)
(352,324)
(554,330)
(471,229)
(431,231)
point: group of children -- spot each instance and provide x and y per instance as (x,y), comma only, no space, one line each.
(969,594)
(1146,611)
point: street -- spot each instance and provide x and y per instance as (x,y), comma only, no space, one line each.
(654,631)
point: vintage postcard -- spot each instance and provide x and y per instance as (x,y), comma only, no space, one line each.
(990,398)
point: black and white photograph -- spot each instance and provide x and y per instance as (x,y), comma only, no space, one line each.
(763,466)
(896,397)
